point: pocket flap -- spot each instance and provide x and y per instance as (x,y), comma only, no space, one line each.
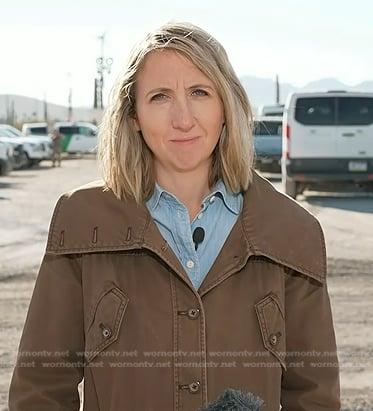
(106,322)
(272,326)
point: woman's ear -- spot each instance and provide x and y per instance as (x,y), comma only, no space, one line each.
(135,122)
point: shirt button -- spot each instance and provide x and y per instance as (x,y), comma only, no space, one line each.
(212,199)
(190,264)
(200,215)
(194,387)
(179,214)
(193,313)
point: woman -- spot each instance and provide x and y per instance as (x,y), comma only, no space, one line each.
(185,273)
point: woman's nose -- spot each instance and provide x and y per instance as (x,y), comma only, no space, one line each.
(183,115)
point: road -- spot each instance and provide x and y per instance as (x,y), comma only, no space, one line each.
(27,199)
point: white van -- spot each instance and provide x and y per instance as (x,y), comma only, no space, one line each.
(78,137)
(327,142)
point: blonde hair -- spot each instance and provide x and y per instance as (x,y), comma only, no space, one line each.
(126,161)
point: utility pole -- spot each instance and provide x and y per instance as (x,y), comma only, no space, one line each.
(277,90)
(70,100)
(103,64)
(10,111)
(45,108)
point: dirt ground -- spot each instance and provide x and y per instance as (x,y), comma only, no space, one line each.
(22,241)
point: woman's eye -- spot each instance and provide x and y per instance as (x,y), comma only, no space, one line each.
(200,92)
(158,97)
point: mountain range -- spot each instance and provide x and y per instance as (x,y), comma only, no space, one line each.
(19,109)
(262,91)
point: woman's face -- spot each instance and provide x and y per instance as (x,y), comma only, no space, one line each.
(179,113)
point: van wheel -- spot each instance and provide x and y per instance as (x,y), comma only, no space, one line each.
(291,188)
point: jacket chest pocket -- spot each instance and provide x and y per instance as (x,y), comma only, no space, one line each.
(272,326)
(106,321)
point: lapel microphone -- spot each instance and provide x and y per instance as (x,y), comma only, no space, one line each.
(198,236)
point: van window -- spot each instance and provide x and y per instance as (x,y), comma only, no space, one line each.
(38,130)
(69,130)
(330,111)
(315,111)
(353,111)
(86,131)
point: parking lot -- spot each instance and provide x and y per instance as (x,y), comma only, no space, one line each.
(27,198)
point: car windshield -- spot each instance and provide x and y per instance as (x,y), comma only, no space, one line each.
(9,131)
(268,128)
(6,133)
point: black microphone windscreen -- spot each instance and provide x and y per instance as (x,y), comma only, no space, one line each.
(198,235)
(235,400)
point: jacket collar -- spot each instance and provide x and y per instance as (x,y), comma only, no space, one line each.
(279,228)
(271,225)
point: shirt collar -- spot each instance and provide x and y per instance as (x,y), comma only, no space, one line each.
(155,197)
(232,201)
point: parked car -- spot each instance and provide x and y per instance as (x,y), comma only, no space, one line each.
(6,158)
(327,142)
(18,154)
(268,143)
(34,150)
(44,139)
(35,129)
(39,131)
(78,137)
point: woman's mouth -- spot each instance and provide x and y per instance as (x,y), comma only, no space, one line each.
(185,141)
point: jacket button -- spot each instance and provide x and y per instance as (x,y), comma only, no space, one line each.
(193,313)
(194,387)
(106,332)
(273,339)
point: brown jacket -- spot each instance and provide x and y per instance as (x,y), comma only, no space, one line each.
(111,293)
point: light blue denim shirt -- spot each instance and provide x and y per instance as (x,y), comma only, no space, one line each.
(218,214)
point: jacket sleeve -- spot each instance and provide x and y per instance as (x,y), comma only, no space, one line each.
(50,359)
(311,381)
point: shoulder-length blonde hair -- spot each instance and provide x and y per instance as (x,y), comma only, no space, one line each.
(125,160)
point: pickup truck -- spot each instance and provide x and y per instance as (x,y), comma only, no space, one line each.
(34,149)
(268,143)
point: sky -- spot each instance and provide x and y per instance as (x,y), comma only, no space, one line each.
(49,47)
